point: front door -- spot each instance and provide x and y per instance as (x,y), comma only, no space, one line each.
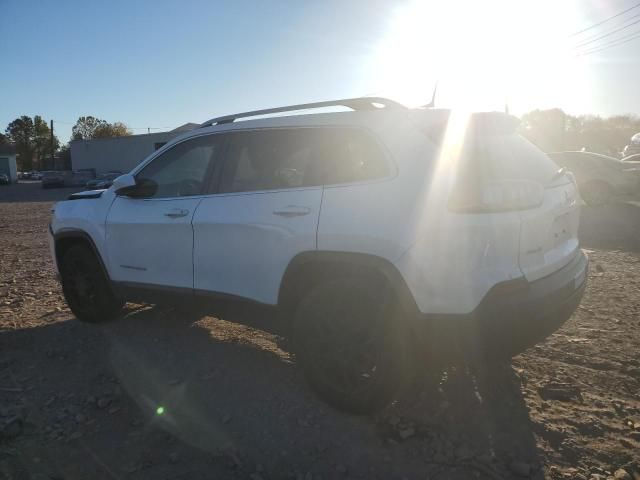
(150,239)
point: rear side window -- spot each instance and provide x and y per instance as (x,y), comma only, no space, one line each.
(350,155)
(302,157)
(510,157)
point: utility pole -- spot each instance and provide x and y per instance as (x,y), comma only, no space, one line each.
(52,148)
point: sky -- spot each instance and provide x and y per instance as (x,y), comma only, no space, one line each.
(164,63)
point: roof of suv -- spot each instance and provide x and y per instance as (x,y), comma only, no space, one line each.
(356,104)
(377,113)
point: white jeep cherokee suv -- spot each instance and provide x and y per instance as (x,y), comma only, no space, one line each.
(373,231)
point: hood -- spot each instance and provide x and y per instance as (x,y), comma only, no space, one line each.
(86,194)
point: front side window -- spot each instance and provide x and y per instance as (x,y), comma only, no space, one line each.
(182,170)
(301,157)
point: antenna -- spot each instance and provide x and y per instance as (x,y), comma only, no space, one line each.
(432,103)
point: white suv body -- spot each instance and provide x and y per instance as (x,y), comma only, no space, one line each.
(450,206)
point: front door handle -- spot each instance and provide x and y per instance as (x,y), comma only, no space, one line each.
(177,213)
(292,211)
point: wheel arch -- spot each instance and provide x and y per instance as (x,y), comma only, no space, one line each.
(65,239)
(308,269)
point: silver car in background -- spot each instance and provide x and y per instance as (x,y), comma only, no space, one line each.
(600,178)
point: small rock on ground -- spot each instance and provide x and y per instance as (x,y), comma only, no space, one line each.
(622,474)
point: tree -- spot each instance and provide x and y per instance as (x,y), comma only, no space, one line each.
(91,127)
(65,156)
(32,138)
(42,141)
(545,128)
(85,127)
(554,130)
(20,132)
(107,130)
(3,139)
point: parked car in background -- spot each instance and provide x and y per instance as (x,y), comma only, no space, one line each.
(600,178)
(371,246)
(79,178)
(52,179)
(103,181)
(4,179)
(633,147)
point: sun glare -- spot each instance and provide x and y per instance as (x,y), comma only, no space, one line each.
(482,54)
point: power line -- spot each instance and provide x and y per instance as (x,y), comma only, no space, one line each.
(615,43)
(610,42)
(604,21)
(607,34)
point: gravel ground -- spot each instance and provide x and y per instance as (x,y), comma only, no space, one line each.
(164,394)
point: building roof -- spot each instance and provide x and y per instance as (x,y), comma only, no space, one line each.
(7,149)
(176,131)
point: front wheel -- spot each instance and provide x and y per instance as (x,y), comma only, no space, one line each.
(350,341)
(86,287)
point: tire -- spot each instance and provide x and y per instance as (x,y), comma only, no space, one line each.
(86,288)
(349,339)
(596,193)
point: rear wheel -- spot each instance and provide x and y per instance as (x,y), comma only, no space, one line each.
(350,341)
(86,287)
(596,193)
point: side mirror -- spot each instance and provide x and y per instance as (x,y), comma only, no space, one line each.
(123,181)
(127,186)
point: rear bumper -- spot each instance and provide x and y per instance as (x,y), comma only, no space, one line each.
(514,315)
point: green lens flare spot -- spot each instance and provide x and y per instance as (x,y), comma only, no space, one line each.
(160,411)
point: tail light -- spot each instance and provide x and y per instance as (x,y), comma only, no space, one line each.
(496,196)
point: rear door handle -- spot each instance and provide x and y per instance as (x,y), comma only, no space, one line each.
(177,213)
(292,211)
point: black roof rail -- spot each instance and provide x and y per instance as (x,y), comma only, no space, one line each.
(360,103)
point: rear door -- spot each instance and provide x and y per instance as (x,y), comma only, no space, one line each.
(548,232)
(150,240)
(264,212)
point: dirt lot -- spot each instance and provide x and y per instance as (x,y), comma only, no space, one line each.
(160,394)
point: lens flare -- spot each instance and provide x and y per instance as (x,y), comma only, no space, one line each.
(481,54)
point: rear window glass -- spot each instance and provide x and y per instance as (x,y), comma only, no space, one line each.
(509,157)
(274,159)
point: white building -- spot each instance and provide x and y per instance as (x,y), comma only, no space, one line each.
(119,154)
(8,162)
